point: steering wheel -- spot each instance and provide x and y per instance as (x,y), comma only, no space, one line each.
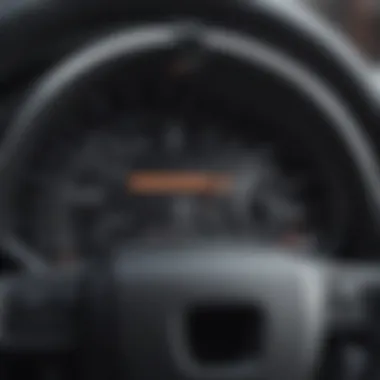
(191,309)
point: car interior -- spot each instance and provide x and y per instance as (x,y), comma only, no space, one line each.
(189,190)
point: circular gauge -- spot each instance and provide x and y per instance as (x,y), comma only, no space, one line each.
(173,186)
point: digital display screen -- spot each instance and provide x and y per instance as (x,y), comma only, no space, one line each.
(178,183)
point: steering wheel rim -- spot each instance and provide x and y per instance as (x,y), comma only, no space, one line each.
(286,25)
(28,127)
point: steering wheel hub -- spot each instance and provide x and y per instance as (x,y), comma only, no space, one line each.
(160,293)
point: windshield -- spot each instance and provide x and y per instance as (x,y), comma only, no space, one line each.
(359,19)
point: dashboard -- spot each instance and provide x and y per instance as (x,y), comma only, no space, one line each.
(168,132)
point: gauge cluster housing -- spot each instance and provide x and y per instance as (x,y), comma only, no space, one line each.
(302,76)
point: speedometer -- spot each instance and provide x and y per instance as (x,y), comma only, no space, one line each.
(134,185)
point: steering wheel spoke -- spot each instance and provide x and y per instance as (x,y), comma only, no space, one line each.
(36,312)
(354,298)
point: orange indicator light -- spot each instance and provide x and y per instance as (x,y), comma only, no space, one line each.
(171,182)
